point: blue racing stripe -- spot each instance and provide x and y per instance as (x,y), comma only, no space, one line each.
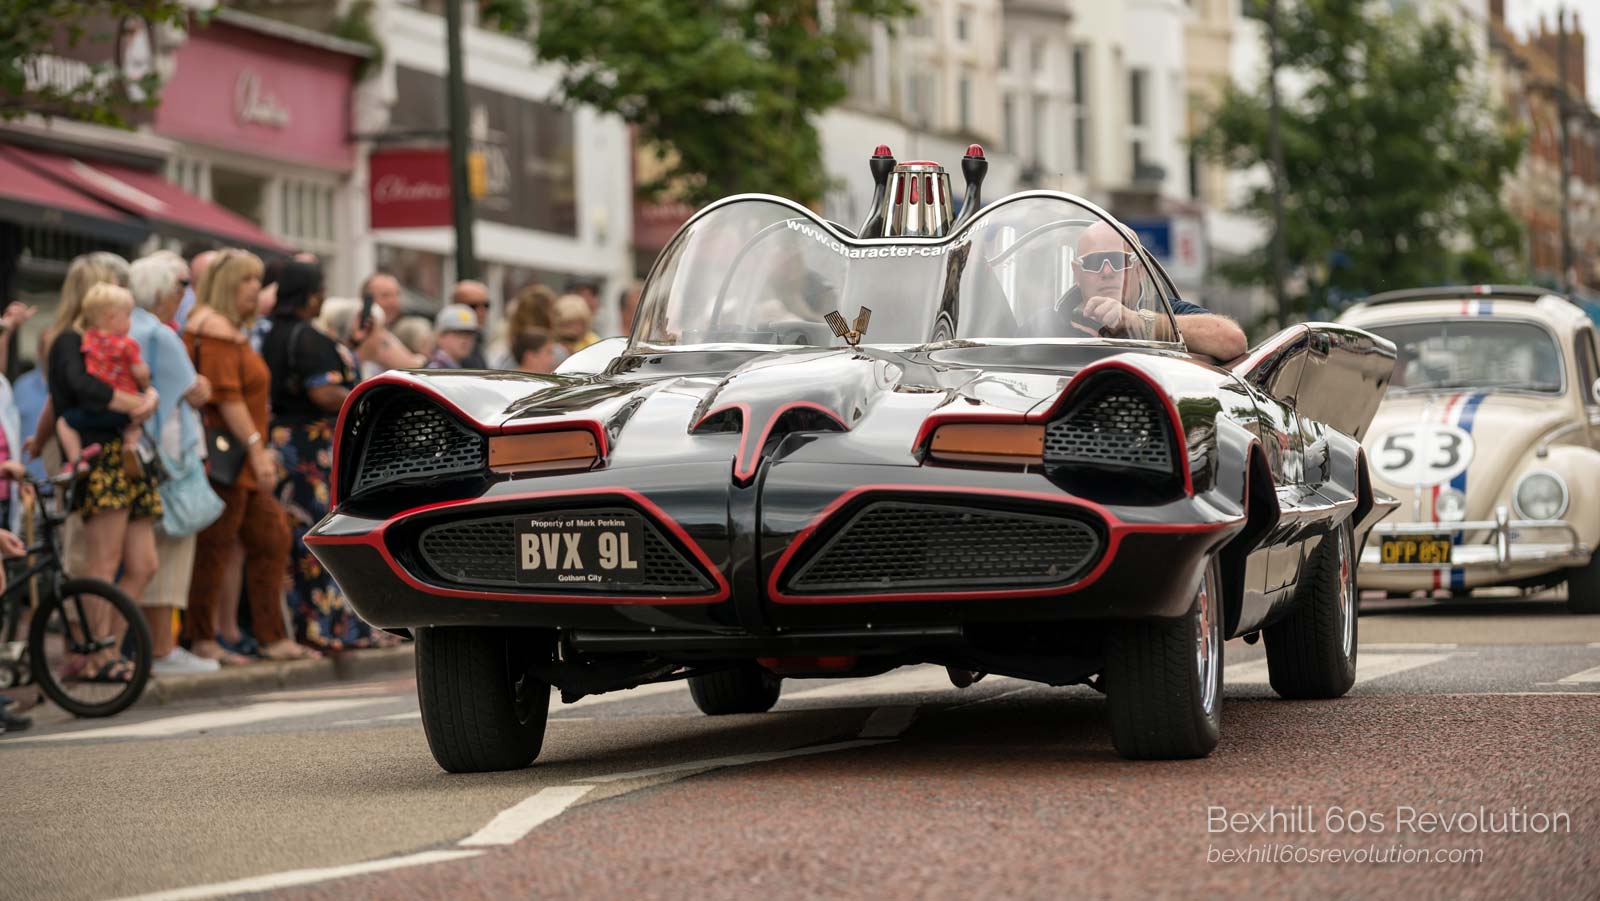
(1469,413)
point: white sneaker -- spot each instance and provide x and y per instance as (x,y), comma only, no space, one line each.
(181,662)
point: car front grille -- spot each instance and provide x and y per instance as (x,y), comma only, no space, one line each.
(477,553)
(1118,424)
(413,439)
(903,545)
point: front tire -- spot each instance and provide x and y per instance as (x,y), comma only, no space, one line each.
(1164,680)
(1311,654)
(481,710)
(1583,587)
(745,688)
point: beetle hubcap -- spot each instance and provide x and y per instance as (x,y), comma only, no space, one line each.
(1207,647)
(1347,595)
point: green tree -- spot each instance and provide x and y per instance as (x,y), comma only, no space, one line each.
(724,93)
(1393,156)
(32,31)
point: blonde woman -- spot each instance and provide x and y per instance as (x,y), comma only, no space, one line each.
(225,311)
(118,509)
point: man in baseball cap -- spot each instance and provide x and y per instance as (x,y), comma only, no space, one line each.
(457,328)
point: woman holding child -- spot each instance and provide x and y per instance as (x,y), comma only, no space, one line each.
(118,506)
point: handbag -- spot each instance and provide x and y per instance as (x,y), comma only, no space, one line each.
(187,502)
(225,454)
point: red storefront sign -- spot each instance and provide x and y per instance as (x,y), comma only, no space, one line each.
(243,90)
(410,188)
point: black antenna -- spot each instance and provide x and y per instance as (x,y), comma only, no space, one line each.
(881,164)
(973,168)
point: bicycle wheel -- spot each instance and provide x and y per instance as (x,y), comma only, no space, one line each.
(71,637)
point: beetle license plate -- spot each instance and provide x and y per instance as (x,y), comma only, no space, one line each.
(580,549)
(1427,550)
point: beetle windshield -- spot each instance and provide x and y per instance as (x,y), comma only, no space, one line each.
(1473,353)
(766,273)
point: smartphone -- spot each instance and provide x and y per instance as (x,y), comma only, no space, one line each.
(364,323)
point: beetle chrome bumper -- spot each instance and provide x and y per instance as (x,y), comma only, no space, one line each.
(1505,543)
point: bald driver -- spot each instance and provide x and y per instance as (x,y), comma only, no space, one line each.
(1103,302)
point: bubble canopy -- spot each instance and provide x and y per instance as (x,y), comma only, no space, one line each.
(763,272)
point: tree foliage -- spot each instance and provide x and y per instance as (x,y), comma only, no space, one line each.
(724,92)
(100,92)
(1393,156)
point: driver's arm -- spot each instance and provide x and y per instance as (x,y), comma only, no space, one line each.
(1215,336)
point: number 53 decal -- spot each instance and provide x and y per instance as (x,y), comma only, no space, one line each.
(1422,454)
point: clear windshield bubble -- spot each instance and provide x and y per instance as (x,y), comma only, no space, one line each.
(762,272)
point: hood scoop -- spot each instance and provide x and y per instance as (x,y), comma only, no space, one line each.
(769,398)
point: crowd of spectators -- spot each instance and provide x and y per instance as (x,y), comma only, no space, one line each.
(217,361)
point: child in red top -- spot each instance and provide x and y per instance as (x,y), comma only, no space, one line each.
(112,357)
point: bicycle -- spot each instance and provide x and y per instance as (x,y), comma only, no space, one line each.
(70,620)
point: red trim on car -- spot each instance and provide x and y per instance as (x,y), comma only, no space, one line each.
(487,428)
(741,472)
(1115,528)
(375,539)
(942,417)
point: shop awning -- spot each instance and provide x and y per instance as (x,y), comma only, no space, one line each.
(172,210)
(29,198)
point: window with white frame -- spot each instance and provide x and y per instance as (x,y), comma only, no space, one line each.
(305,214)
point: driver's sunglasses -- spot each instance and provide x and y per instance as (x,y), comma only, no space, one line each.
(1118,260)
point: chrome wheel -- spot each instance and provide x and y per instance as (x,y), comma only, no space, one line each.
(1347,594)
(1208,646)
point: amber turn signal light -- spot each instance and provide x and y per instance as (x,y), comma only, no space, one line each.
(536,451)
(972,442)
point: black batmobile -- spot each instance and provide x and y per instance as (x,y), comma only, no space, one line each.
(824,455)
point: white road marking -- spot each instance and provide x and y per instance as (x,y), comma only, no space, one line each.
(194,722)
(627,694)
(888,722)
(1368,667)
(1589,675)
(275,881)
(413,715)
(511,825)
(717,763)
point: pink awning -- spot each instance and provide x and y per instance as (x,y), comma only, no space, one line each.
(31,198)
(170,208)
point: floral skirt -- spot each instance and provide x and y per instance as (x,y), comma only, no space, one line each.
(108,487)
(322,618)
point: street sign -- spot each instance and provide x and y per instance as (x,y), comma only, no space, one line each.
(410,188)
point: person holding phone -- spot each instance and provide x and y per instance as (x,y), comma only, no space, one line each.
(378,350)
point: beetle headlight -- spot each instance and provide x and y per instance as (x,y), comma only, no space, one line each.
(1540,495)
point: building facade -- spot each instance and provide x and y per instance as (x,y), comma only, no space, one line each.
(1527,80)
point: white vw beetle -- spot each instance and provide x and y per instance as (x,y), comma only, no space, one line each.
(1490,438)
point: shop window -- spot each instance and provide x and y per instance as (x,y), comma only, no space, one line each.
(240,192)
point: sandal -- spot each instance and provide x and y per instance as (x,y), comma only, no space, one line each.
(116,671)
(246,646)
(285,651)
(223,656)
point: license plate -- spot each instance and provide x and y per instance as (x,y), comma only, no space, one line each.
(1427,550)
(580,550)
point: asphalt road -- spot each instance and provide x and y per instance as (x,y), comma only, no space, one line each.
(897,786)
